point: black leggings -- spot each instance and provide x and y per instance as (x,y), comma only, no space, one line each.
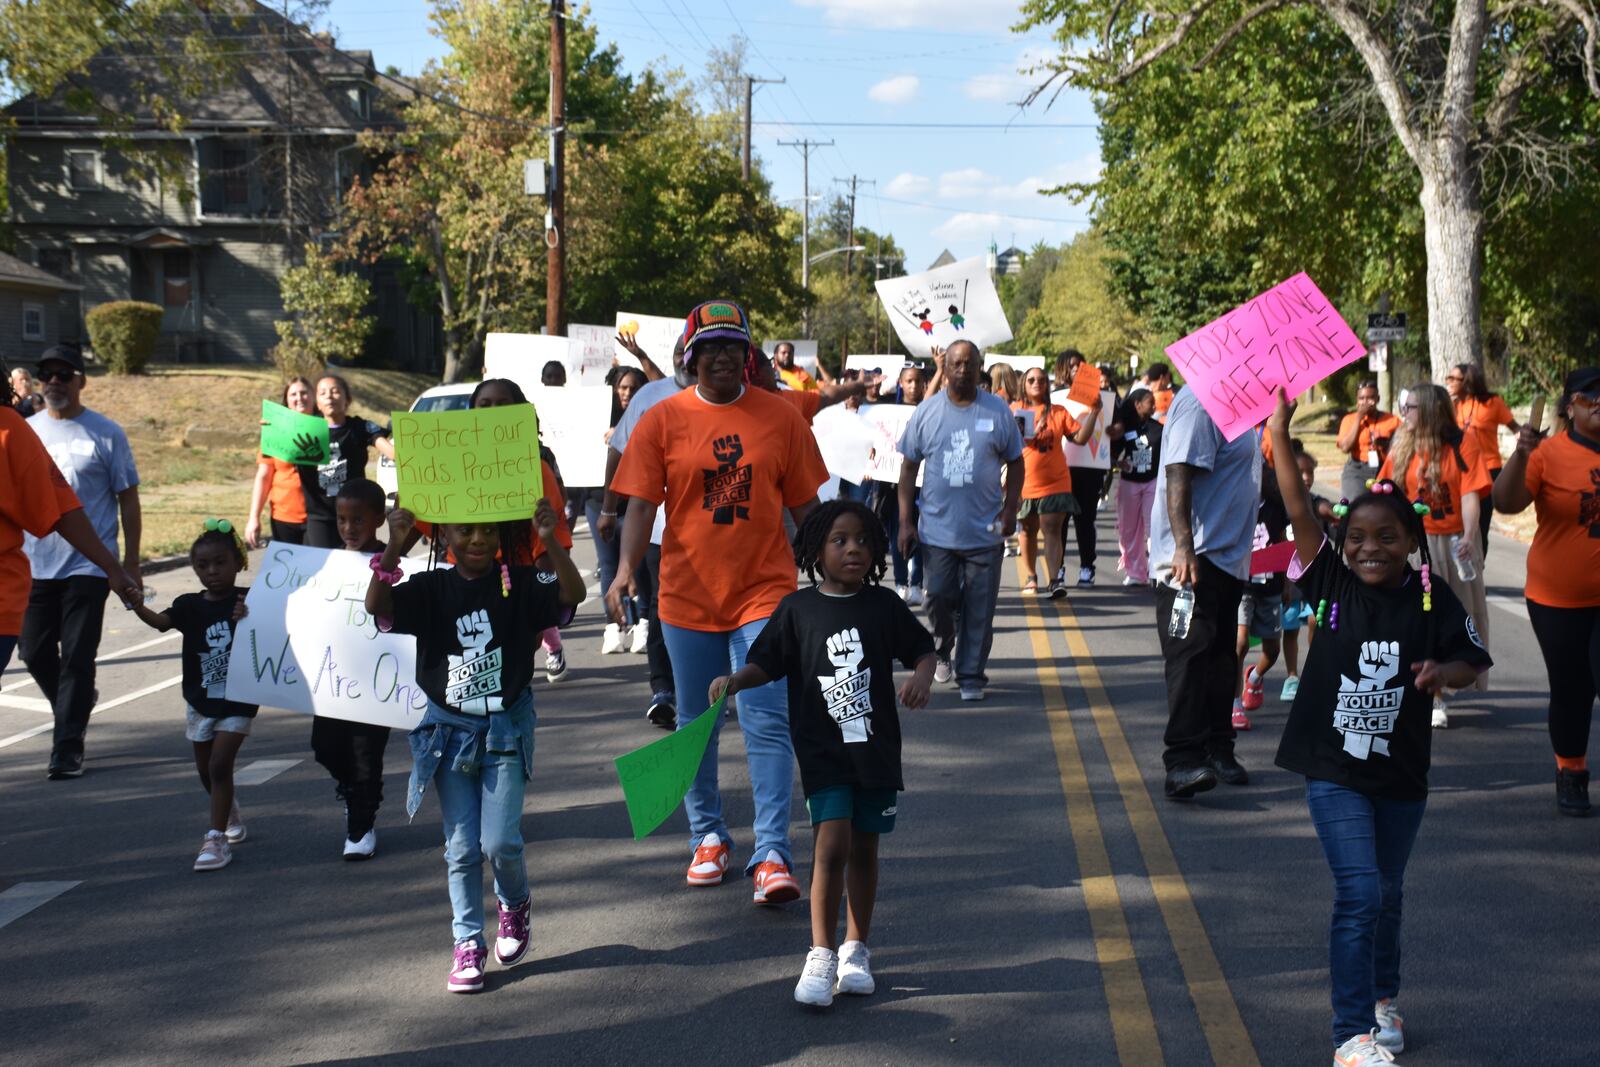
(353,753)
(290,533)
(1086,485)
(1486,515)
(322,531)
(1570,641)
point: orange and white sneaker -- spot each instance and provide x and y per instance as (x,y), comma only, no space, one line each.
(710,862)
(1362,1050)
(774,883)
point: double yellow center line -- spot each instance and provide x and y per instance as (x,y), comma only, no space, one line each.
(1132,1024)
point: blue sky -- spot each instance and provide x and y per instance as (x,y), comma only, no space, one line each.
(854,61)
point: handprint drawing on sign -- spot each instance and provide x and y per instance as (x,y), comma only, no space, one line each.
(1369,706)
(848,691)
(727,486)
(307,449)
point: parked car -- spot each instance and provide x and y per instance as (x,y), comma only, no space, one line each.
(439,398)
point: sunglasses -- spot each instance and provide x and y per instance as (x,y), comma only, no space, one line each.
(57,375)
(1409,407)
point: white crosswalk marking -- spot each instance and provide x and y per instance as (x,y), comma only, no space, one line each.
(1515,605)
(262,770)
(7,742)
(24,679)
(25,703)
(25,896)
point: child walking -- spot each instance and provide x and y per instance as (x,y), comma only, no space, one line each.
(836,643)
(476,626)
(1261,608)
(1359,730)
(353,751)
(217,726)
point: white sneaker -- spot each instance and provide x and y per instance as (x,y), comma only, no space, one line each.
(641,636)
(904,592)
(364,849)
(855,969)
(942,672)
(214,852)
(972,692)
(1391,1026)
(816,981)
(915,598)
(1441,721)
(611,643)
(236,831)
(1362,1050)
(1085,575)
(1130,582)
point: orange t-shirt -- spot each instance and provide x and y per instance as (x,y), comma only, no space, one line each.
(1444,516)
(33,497)
(1482,419)
(725,473)
(1163,402)
(806,403)
(552,493)
(1383,425)
(284,492)
(1044,463)
(1564,559)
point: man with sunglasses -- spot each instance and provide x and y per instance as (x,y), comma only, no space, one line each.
(67,602)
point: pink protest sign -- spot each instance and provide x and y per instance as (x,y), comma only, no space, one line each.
(1290,335)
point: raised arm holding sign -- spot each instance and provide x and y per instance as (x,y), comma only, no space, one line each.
(481,465)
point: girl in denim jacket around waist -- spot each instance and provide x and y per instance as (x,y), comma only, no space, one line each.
(476,626)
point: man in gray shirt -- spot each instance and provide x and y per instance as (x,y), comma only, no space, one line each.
(67,603)
(967,439)
(1202,530)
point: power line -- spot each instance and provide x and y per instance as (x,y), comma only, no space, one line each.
(999,214)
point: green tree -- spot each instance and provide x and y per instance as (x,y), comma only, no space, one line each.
(327,319)
(1077,308)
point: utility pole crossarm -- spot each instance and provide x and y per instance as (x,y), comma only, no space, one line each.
(750,83)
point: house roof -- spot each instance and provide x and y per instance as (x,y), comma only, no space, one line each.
(14,272)
(1013,253)
(283,75)
(944,260)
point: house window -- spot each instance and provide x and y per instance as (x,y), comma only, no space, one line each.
(175,277)
(83,169)
(33,322)
(57,261)
(235,166)
(358,100)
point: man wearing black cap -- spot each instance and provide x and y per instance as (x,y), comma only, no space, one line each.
(66,606)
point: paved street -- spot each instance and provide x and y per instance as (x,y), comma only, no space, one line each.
(1040,901)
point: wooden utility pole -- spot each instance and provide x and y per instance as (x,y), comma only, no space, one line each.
(849,257)
(750,84)
(805,147)
(554,233)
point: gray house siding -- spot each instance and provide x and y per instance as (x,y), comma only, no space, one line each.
(241,299)
(13,346)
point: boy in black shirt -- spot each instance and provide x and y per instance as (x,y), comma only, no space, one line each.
(836,643)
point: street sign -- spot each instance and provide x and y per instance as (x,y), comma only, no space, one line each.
(1378,356)
(1386,327)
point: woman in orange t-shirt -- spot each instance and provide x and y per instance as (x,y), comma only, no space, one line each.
(1434,463)
(278,483)
(1480,414)
(1047,482)
(1561,479)
(726,458)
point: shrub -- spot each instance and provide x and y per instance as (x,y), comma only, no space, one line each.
(124,334)
(327,321)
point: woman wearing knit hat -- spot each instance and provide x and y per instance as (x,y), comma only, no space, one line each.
(726,461)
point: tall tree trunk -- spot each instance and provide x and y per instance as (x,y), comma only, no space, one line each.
(1453,224)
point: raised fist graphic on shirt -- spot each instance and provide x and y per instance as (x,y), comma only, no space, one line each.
(728,450)
(219,636)
(844,650)
(848,691)
(473,630)
(1379,663)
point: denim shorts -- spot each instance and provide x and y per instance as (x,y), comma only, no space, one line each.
(204,728)
(871,811)
(1262,613)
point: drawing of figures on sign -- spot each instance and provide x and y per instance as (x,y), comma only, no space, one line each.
(947,304)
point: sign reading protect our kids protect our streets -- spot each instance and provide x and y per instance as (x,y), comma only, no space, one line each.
(479,465)
(1289,336)
(939,307)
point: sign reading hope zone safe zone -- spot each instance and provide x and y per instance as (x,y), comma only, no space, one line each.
(1289,335)
(480,465)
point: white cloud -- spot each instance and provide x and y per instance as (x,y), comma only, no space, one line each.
(908,185)
(897,90)
(972,183)
(972,16)
(974,229)
(965,184)
(1011,86)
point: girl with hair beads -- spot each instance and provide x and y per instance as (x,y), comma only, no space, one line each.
(476,625)
(1388,637)
(836,643)
(217,726)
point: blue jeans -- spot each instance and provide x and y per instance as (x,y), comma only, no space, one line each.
(1367,841)
(907,569)
(698,657)
(963,588)
(608,552)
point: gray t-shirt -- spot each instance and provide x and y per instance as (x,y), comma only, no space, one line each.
(93,454)
(1225,495)
(963,451)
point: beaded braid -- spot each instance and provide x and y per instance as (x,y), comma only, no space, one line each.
(1338,579)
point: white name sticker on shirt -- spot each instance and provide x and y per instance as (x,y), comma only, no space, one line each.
(82,448)
(986,426)
(1372,459)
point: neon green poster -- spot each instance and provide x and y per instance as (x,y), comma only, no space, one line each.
(656,777)
(479,465)
(291,436)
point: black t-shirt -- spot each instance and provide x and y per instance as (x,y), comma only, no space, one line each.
(207,628)
(1142,445)
(347,459)
(1272,528)
(475,646)
(1359,720)
(838,655)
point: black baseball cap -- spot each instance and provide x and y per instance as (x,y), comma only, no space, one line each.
(1583,380)
(71,355)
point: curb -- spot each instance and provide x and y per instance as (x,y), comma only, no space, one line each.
(164,563)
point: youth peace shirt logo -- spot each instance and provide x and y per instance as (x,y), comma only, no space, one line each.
(1589,505)
(475,674)
(958,460)
(848,691)
(214,660)
(727,485)
(1368,707)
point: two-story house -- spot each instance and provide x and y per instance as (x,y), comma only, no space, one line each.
(255,172)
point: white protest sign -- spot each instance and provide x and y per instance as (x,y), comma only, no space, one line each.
(526,353)
(592,348)
(845,441)
(885,423)
(1020,364)
(572,423)
(1097,453)
(805,353)
(945,305)
(656,334)
(309,645)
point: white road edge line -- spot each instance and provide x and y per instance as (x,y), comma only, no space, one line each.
(25,703)
(262,770)
(107,706)
(25,896)
(130,650)
(1512,604)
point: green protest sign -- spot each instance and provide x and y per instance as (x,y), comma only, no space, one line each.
(291,436)
(656,777)
(479,465)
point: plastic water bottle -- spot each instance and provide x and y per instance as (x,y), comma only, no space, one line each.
(1462,551)
(1182,612)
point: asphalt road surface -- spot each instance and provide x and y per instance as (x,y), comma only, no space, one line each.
(1041,903)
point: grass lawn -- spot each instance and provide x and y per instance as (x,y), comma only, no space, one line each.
(183,482)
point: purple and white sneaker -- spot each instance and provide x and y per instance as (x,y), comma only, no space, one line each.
(467,974)
(511,943)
